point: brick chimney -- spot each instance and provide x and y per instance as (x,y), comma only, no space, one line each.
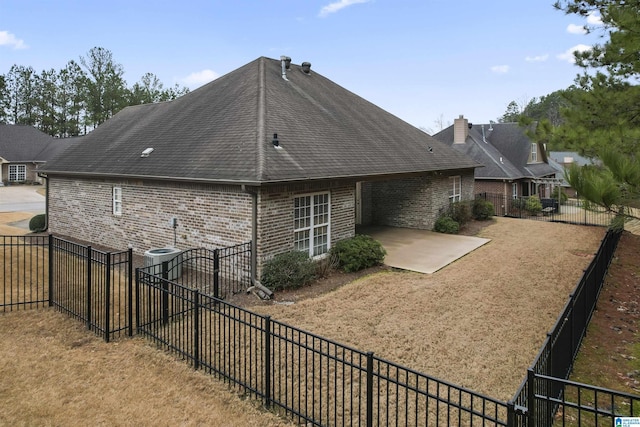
(460,130)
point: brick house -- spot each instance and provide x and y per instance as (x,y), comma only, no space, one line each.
(514,165)
(272,153)
(23,149)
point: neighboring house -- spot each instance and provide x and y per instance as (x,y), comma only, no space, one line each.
(282,157)
(561,160)
(23,149)
(514,165)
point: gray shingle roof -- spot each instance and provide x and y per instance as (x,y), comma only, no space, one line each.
(223,132)
(502,148)
(22,143)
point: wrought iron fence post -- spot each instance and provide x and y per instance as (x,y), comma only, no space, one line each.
(267,361)
(196,329)
(216,273)
(89,255)
(51,271)
(511,414)
(137,300)
(130,292)
(165,292)
(531,397)
(107,300)
(369,402)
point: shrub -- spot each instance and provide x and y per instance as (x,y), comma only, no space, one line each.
(460,212)
(358,252)
(533,205)
(326,265)
(482,209)
(288,270)
(560,195)
(446,224)
(38,223)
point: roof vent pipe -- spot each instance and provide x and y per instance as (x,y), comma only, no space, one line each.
(275,141)
(306,67)
(285,62)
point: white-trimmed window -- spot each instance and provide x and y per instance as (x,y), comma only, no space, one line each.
(534,152)
(455,188)
(311,223)
(514,190)
(117,200)
(17,173)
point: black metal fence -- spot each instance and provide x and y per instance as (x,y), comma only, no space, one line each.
(571,211)
(309,378)
(217,272)
(90,285)
(558,352)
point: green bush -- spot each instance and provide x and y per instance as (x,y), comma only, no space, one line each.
(533,205)
(482,209)
(460,212)
(446,224)
(288,270)
(38,223)
(358,252)
(560,195)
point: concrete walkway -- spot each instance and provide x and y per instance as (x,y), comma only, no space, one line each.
(421,250)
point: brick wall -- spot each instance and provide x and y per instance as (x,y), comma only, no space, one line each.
(413,202)
(208,216)
(275,225)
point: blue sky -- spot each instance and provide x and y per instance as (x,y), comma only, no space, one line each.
(422,60)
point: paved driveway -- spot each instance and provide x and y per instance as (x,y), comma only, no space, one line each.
(22,198)
(421,250)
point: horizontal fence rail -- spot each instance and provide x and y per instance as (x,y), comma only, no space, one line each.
(570,211)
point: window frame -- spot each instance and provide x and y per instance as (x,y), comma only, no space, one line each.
(17,171)
(534,152)
(514,190)
(116,197)
(314,230)
(453,195)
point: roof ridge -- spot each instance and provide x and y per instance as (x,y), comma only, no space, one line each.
(261,116)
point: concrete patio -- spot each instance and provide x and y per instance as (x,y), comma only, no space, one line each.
(421,250)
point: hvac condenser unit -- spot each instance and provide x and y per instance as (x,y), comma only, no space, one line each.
(155,257)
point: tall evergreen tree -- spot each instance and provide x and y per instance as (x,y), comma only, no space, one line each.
(604,118)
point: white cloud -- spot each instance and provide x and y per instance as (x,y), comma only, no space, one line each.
(199,78)
(594,19)
(538,58)
(8,39)
(568,54)
(500,69)
(337,5)
(576,29)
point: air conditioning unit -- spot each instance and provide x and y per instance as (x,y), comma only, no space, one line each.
(155,257)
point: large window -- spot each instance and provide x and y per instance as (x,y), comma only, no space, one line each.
(17,173)
(311,223)
(117,201)
(455,188)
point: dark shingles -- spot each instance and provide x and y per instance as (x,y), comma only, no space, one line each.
(223,132)
(22,143)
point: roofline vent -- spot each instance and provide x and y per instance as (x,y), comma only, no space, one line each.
(275,141)
(306,67)
(286,64)
(146,152)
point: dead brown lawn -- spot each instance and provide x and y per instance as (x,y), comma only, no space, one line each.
(478,323)
(54,372)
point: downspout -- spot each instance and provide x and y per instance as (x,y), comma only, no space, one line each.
(254,231)
(46,201)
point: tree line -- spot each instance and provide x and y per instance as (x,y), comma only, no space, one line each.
(77,98)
